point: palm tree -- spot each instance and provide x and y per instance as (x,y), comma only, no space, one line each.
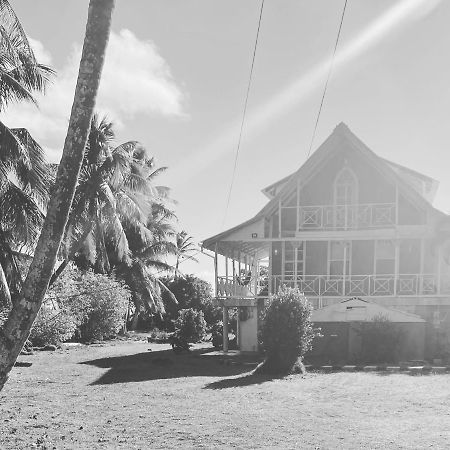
(119,219)
(186,249)
(20,320)
(23,171)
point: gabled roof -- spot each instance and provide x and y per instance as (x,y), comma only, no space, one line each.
(356,309)
(341,134)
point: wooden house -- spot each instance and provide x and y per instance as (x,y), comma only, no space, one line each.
(347,223)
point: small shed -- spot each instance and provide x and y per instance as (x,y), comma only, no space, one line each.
(342,325)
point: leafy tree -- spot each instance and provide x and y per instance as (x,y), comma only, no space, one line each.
(190,292)
(20,320)
(287,332)
(90,305)
(190,325)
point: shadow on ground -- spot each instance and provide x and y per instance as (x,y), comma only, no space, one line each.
(246,380)
(163,365)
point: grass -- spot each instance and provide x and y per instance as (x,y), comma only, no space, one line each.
(120,395)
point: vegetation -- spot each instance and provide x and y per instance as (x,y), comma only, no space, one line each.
(119,219)
(287,332)
(17,327)
(82,305)
(190,292)
(186,249)
(23,172)
(190,325)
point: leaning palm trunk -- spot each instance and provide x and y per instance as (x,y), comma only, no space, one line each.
(20,320)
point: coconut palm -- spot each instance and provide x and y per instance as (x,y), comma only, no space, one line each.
(186,249)
(20,320)
(23,171)
(119,219)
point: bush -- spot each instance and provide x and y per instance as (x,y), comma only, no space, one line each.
(85,304)
(190,325)
(286,333)
(100,307)
(52,327)
(190,292)
(380,340)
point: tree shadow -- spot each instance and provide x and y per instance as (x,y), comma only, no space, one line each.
(246,380)
(165,364)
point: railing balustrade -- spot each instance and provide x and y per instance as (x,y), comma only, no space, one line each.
(337,286)
(343,217)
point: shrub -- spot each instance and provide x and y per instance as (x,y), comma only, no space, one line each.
(190,292)
(52,327)
(95,303)
(380,340)
(100,307)
(287,332)
(190,325)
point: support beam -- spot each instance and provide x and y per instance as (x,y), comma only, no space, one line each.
(225,329)
(216,272)
(396,265)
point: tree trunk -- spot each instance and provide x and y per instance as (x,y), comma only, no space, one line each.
(20,320)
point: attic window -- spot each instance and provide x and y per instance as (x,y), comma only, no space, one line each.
(345,187)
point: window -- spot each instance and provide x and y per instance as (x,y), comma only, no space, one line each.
(384,257)
(293,259)
(339,254)
(345,188)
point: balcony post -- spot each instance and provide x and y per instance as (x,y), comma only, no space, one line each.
(396,203)
(225,328)
(422,265)
(438,281)
(297,216)
(216,274)
(279,218)
(396,265)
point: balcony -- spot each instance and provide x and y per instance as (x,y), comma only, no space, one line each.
(361,285)
(345,217)
(337,286)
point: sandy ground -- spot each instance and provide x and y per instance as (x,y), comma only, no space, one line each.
(121,395)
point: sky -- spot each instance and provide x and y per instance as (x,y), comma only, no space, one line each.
(176,74)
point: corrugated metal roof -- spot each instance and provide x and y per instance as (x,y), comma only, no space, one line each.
(356,309)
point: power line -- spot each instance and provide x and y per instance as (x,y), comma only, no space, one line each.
(328,79)
(243,115)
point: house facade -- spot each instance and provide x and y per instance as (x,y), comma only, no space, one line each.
(346,224)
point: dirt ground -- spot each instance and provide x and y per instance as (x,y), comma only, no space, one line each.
(121,395)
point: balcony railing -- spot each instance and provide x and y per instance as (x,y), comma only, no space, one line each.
(338,286)
(345,217)
(362,285)
(234,287)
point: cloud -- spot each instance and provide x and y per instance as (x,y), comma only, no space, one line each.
(135,80)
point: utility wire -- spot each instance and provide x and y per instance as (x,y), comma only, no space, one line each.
(328,79)
(236,157)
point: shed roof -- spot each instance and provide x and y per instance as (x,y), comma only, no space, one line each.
(356,309)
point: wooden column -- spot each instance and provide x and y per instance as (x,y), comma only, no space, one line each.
(396,203)
(279,218)
(216,271)
(270,281)
(225,328)
(422,265)
(396,265)
(439,268)
(297,226)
